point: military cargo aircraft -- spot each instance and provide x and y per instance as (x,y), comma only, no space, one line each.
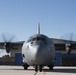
(39,50)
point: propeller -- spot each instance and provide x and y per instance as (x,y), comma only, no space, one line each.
(70,37)
(8,39)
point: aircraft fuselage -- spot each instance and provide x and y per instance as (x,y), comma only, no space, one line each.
(38,50)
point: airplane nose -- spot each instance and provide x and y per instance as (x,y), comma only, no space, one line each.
(36,50)
(38,54)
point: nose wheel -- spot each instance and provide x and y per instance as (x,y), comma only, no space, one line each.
(51,67)
(38,68)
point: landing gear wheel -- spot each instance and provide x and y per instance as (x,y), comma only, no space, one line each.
(40,68)
(51,68)
(36,68)
(25,67)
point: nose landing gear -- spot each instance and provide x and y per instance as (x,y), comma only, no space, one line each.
(38,68)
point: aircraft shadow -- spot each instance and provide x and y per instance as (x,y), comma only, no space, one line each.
(61,70)
(54,70)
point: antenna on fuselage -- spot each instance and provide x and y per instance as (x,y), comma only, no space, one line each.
(38,30)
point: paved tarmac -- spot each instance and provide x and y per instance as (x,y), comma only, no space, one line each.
(18,70)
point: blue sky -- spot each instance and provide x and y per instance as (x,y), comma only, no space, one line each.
(20,17)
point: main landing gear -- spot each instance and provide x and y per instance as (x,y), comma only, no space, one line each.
(51,67)
(25,66)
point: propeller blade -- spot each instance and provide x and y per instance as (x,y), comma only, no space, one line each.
(8,38)
(4,38)
(11,38)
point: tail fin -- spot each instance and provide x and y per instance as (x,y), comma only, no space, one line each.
(38,30)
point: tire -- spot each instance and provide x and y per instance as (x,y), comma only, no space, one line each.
(36,68)
(51,68)
(40,68)
(25,67)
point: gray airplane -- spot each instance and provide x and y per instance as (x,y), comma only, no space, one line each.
(38,51)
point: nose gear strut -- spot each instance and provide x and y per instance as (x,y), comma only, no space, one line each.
(38,67)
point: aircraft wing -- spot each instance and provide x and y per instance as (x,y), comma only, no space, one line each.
(59,46)
(12,45)
(62,46)
(1,45)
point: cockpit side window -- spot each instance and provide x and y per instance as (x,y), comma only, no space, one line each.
(29,40)
(38,39)
(44,40)
(33,39)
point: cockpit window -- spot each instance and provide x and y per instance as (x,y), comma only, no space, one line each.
(31,39)
(43,39)
(38,38)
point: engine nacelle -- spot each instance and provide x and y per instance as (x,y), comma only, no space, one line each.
(68,48)
(7,47)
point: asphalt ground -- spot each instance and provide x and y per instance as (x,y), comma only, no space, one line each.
(18,70)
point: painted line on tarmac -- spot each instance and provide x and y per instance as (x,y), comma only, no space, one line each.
(44,72)
(35,73)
